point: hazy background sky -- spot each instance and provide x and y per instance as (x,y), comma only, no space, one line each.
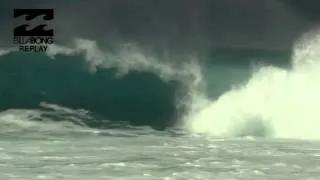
(196,24)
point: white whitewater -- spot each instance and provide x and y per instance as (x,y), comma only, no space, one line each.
(275,102)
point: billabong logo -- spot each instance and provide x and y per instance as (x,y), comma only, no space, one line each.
(37,38)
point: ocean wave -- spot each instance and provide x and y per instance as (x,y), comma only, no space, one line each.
(130,86)
(127,85)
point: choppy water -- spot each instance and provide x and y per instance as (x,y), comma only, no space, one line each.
(155,156)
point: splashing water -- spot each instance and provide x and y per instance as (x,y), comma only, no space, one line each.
(275,102)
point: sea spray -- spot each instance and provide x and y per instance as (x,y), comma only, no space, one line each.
(275,102)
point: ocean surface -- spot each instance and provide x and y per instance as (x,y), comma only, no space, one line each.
(84,112)
(154,155)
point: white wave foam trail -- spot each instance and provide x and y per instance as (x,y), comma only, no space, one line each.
(43,120)
(275,102)
(7,51)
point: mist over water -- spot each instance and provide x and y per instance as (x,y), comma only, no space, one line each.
(184,25)
(274,102)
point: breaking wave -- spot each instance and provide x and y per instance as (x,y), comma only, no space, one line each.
(274,102)
(132,87)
